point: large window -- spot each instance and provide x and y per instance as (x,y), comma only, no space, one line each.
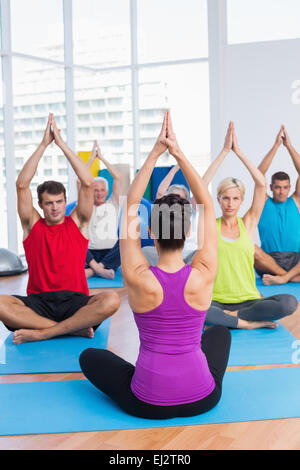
(104,113)
(101,32)
(171,30)
(158,88)
(108,70)
(167,32)
(262,20)
(37,28)
(123,64)
(38,88)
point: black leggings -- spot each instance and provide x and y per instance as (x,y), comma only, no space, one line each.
(112,375)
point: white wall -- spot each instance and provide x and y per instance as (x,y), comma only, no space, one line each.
(257,83)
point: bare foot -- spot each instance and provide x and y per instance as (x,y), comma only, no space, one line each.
(252,325)
(86,333)
(232,313)
(89,272)
(106,273)
(269,279)
(29,336)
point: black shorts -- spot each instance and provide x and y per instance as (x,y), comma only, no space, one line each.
(56,306)
(285,259)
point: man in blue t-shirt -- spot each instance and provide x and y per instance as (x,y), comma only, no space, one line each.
(278,258)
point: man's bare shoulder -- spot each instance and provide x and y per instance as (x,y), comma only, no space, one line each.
(296,200)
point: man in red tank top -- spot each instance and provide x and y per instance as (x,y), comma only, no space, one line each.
(57,301)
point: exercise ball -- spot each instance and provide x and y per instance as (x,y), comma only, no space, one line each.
(10,263)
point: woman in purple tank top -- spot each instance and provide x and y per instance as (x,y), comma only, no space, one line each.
(179,370)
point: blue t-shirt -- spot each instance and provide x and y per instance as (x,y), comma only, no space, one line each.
(279,226)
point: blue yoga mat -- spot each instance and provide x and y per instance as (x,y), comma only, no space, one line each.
(99,282)
(292,288)
(77,406)
(261,346)
(53,355)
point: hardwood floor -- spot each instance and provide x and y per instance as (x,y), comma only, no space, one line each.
(280,434)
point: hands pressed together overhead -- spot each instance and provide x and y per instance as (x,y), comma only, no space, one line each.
(96,151)
(283,138)
(232,144)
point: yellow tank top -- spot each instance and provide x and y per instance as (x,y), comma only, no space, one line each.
(235,280)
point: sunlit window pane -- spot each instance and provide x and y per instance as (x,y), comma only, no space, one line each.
(160,89)
(104,113)
(101,32)
(37,28)
(267,20)
(172,29)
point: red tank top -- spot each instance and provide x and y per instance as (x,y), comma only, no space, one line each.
(56,257)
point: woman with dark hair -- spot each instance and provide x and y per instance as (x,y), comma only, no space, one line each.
(179,370)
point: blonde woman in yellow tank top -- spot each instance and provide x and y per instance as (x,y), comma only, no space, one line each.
(236,300)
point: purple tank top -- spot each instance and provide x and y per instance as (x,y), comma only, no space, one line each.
(171,368)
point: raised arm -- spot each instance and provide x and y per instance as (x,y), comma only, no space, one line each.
(132,256)
(251,218)
(164,185)
(117,177)
(296,160)
(83,211)
(267,160)
(93,155)
(293,153)
(27,213)
(205,258)
(212,169)
(297,192)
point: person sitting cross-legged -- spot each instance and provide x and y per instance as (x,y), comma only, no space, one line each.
(180,369)
(277,260)
(237,303)
(103,255)
(58,301)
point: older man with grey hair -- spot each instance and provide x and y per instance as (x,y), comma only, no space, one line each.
(103,255)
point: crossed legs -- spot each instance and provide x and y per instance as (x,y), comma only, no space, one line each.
(29,326)
(252,314)
(103,263)
(290,276)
